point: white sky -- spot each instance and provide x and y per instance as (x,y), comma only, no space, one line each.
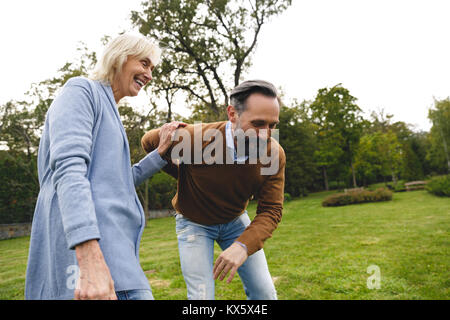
(390,54)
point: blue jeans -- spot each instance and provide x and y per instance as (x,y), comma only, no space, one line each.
(196,247)
(134,295)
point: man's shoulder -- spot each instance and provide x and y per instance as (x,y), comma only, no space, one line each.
(204,126)
(281,154)
(211,125)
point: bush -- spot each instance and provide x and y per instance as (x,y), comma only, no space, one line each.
(287,197)
(162,189)
(439,186)
(18,190)
(399,187)
(360,196)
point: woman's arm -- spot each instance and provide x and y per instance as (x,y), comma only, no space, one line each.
(71,121)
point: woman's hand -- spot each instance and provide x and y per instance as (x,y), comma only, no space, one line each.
(95,281)
(166,134)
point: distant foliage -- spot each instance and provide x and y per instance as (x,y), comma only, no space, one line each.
(162,189)
(18,190)
(354,197)
(287,197)
(439,186)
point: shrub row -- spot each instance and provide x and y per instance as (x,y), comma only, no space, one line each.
(360,196)
(439,186)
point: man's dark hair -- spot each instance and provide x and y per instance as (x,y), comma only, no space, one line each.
(239,94)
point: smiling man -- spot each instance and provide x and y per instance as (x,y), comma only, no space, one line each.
(212,198)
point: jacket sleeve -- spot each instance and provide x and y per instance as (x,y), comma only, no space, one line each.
(71,122)
(269,209)
(150,142)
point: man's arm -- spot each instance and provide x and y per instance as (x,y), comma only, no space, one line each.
(269,209)
(150,142)
(268,215)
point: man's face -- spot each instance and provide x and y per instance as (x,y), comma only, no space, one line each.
(260,116)
(256,122)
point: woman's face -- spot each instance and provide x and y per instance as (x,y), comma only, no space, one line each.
(134,76)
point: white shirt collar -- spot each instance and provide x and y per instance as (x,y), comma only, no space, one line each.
(230,143)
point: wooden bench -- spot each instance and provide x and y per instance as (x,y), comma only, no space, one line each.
(415,185)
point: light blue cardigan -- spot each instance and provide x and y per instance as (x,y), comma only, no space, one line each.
(87,192)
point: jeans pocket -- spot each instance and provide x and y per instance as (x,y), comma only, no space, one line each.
(243,220)
(181,225)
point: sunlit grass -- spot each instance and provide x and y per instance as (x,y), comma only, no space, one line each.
(316,252)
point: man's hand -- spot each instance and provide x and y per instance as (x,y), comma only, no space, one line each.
(166,134)
(95,282)
(229,260)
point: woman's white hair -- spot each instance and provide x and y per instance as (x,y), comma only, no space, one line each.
(117,51)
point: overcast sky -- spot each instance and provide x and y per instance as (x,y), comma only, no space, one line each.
(390,54)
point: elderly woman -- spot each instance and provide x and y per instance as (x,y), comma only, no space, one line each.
(88,219)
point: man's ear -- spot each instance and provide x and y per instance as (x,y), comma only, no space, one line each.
(232,114)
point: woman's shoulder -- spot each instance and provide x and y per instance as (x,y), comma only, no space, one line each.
(85,86)
(82,82)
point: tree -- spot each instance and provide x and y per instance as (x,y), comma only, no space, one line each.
(207,45)
(339,127)
(440,135)
(298,141)
(412,167)
(379,154)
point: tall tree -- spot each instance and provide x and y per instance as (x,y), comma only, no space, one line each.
(298,141)
(379,154)
(207,45)
(440,132)
(340,125)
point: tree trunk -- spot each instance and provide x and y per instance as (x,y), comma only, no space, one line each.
(325,178)
(353,174)
(394,177)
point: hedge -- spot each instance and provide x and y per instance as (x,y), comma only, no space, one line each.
(360,196)
(439,186)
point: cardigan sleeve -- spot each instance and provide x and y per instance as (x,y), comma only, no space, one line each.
(148,166)
(71,122)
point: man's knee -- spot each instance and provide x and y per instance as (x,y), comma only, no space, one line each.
(200,291)
(262,291)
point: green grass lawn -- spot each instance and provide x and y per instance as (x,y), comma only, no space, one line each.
(316,252)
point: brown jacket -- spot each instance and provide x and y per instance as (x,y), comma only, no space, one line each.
(218,193)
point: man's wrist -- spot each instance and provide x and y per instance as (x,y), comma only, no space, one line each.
(242,245)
